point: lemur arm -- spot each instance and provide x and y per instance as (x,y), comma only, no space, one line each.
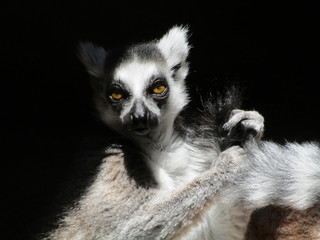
(119,209)
(170,215)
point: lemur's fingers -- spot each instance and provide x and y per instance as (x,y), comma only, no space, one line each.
(237,116)
(250,120)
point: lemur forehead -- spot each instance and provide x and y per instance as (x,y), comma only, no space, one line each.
(136,73)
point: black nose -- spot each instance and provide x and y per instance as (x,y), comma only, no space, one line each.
(139,120)
(139,117)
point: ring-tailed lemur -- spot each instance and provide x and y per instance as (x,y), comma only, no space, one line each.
(173,181)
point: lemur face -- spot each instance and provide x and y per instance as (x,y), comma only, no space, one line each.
(140,88)
(138,93)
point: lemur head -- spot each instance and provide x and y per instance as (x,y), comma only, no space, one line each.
(140,89)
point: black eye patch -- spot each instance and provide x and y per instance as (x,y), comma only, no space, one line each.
(117,93)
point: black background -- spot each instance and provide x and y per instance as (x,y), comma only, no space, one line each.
(268,47)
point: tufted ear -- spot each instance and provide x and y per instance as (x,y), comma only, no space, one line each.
(174,46)
(93,57)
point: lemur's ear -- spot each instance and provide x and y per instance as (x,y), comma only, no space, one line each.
(93,57)
(174,46)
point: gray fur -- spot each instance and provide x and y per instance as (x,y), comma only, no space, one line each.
(286,175)
(177,182)
(145,52)
(123,210)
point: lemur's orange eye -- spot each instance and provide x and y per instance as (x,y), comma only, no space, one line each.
(159,89)
(116,96)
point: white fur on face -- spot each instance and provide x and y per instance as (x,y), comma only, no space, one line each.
(136,75)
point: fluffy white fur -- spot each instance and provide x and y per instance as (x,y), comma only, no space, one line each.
(284,175)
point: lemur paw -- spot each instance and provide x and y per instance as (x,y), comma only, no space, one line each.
(252,123)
